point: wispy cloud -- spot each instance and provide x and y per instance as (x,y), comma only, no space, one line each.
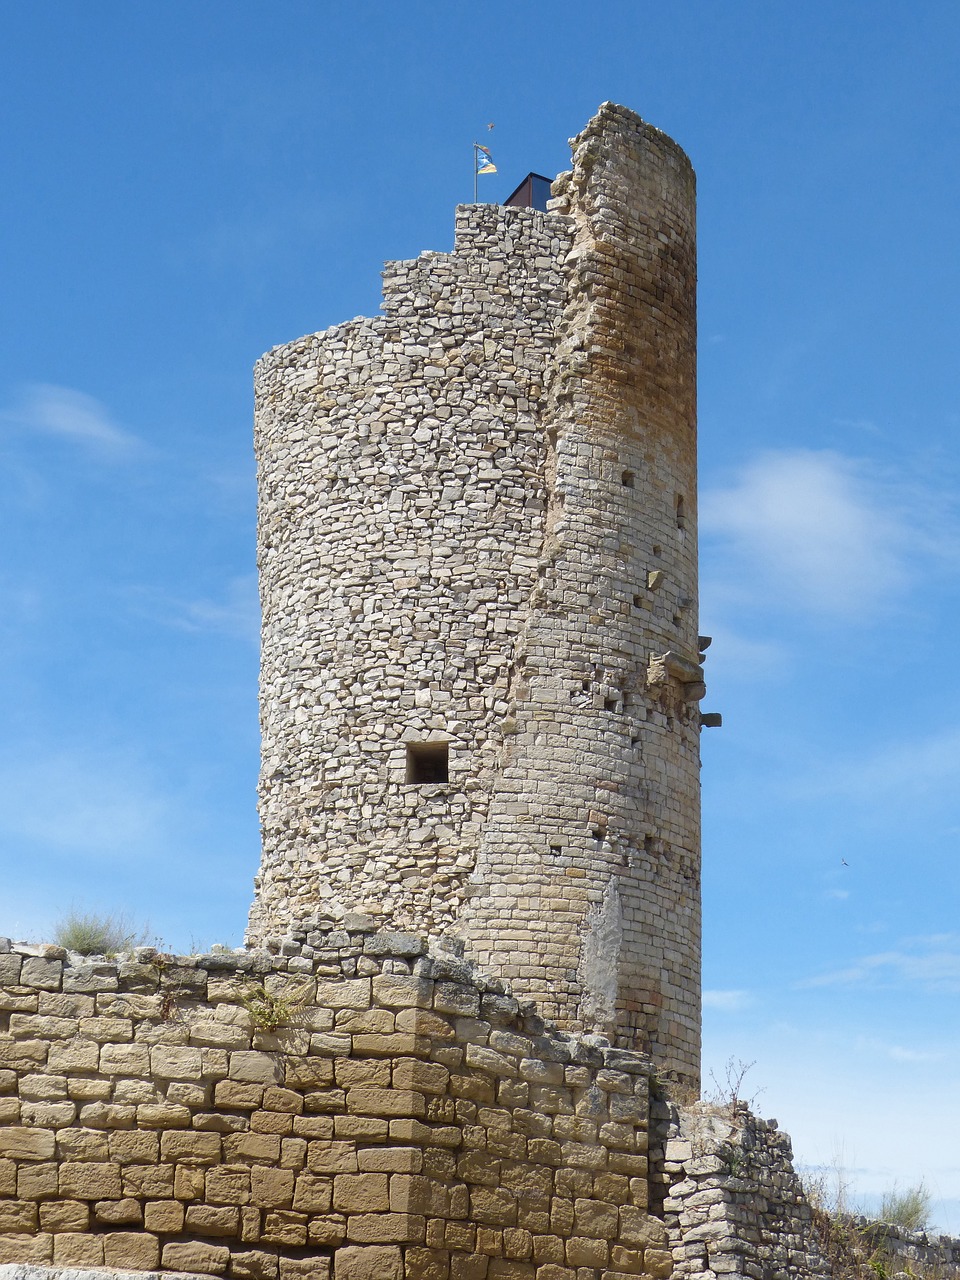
(931,963)
(235,612)
(727,1001)
(824,532)
(73,416)
(922,769)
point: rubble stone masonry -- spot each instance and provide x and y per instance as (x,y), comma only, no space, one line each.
(481,666)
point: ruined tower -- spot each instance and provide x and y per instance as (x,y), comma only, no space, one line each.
(477,542)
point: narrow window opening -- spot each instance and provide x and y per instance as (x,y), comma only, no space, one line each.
(599,834)
(585,686)
(428,762)
(638,602)
(681,518)
(657,550)
(628,479)
(556,848)
(611,704)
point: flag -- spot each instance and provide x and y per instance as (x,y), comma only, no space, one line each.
(484,160)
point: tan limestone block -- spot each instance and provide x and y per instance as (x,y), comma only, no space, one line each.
(227,1184)
(18,1215)
(550,1271)
(638,1228)
(90,1181)
(186,1147)
(332,1157)
(369,1100)
(391,1046)
(106,1030)
(38,1181)
(136,1250)
(237,1095)
(361,1192)
(213,1220)
(353,1071)
(276,1122)
(402,991)
(493,1206)
(363,1128)
(283,1100)
(390,1159)
(427,1077)
(64,1216)
(312,1194)
(254,1067)
(162,1115)
(26,1248)
(271,1188)
(190,1256)
(465,1266)
(280,1226)
(73,1250)
(584,1251)
(373,1263)
(352,993)
(118,1212)
(254,1264)
(424,1023)
(312,1268)
(595,1218)
(313,1127)
(375,1021)
(8,1178)
(250,1224)
(188,1182)
(163,1216)
(380,1228)
(628,1260)
(330,1229)
(27,1144)
(149,1180)
(259,1148)
(428,1264)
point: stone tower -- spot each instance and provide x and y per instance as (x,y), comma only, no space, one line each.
(477,541)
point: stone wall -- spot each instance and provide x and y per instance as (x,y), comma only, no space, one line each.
(409,1121)
(733,1203)
(477,534)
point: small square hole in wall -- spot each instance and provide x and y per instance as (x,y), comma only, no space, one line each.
(428,762)
(628,479)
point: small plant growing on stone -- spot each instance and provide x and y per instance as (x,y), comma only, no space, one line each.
(90,934)
(270,1011)
(909,1208)
(727,1094)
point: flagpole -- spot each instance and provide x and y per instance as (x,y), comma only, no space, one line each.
(476,166)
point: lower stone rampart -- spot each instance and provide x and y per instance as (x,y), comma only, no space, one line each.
(352,1108)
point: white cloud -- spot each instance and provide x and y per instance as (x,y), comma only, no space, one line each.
(931,963)
(924,770)
(823,532)
(235,613)
(727,1001)
(70,415)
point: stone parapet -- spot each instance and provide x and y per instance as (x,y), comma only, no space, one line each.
(353,1107)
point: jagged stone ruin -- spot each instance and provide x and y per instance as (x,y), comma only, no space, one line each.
(456,1044)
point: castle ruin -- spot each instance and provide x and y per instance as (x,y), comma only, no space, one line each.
(458,1043)
(481,662)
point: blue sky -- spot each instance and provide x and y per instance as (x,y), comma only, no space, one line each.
(188,185)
